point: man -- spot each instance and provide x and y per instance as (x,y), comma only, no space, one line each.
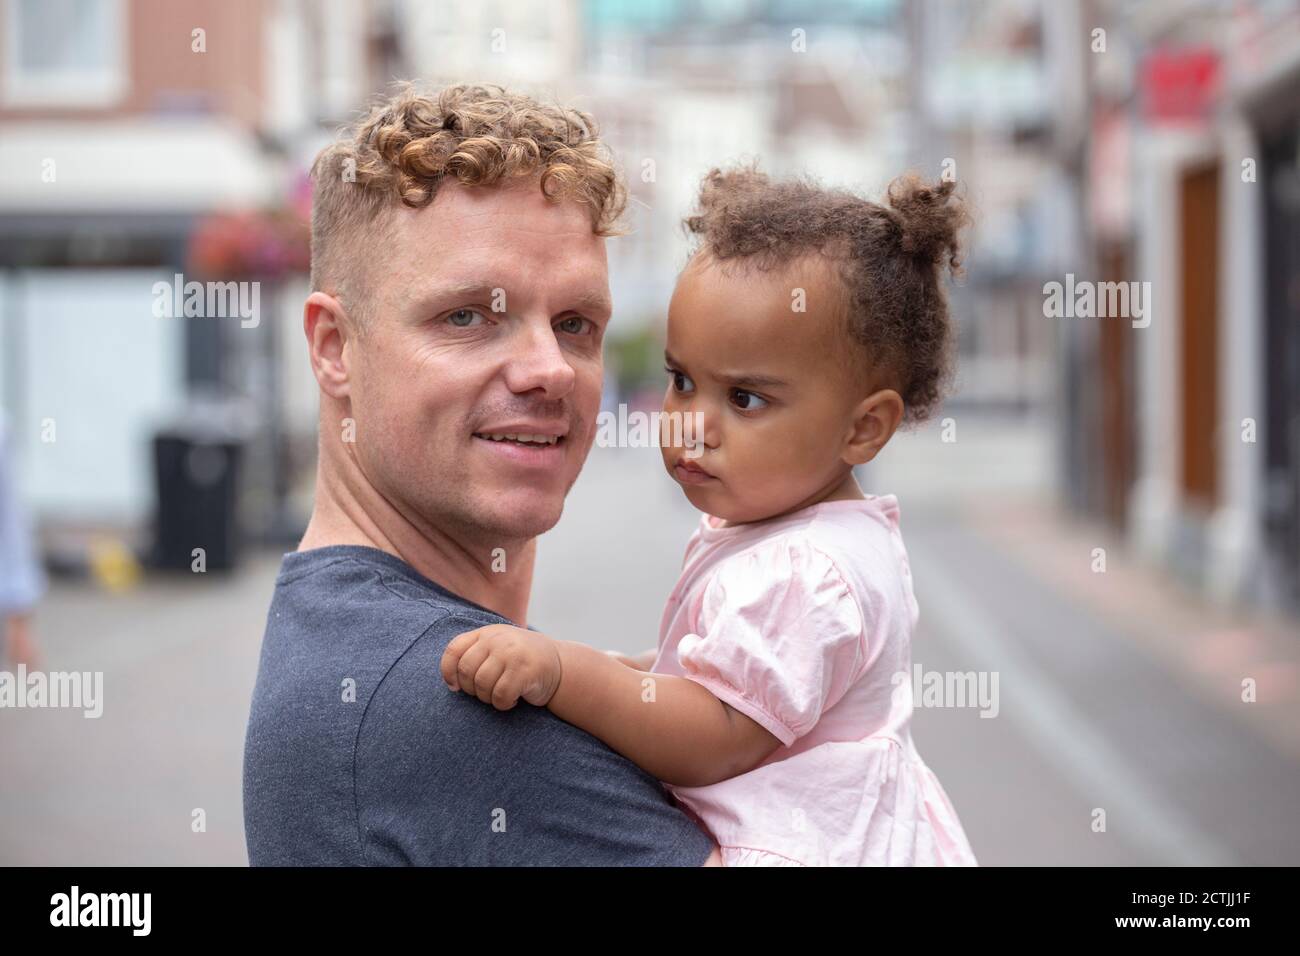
(460,294)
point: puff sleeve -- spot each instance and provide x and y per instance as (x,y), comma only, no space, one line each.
(780,637)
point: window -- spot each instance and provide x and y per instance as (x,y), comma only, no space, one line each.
(63,52)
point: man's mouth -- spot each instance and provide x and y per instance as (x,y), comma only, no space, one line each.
(521,438)
(535,446)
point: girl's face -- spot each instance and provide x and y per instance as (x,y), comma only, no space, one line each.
(772,385)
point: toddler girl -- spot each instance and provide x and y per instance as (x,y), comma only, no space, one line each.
(808,325)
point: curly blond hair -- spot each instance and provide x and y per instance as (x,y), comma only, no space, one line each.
(409,144)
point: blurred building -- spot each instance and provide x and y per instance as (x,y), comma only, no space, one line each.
(141,139)
(1152,143)
(988,84)
(1185,433)
(1104,140)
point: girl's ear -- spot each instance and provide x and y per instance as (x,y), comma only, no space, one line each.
(875,420)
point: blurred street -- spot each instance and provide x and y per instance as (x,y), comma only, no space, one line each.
(1116,692)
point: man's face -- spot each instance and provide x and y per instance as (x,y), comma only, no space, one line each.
(486,320)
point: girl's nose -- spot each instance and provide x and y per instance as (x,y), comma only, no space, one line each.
(705,427)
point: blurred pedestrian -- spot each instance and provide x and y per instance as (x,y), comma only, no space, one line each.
(21,579)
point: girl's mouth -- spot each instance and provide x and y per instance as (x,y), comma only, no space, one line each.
(689,473)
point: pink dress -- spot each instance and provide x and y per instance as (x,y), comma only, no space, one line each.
(801,623)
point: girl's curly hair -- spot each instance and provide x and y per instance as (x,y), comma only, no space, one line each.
(890,259)
(411,143)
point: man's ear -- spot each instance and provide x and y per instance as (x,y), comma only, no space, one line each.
(328,329)
(875,420)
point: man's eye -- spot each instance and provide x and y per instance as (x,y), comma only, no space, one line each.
(464,318)
(680,382)
(574,325)
(747,401)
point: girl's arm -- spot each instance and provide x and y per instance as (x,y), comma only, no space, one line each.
(642,662)
(670,726)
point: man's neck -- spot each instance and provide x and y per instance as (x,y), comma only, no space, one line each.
(352,512)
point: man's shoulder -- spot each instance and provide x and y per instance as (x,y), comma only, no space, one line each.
(339,620)
(366,578)
(442,777)
(355,737)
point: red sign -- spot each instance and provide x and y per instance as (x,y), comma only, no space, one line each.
(1180,85)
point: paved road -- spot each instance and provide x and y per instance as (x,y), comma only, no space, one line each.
(179,657)
(1087,719)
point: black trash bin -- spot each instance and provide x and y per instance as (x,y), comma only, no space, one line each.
(196,467)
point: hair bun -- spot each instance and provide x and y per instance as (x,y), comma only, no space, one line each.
(929,218)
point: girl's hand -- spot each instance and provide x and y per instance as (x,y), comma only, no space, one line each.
(501,663)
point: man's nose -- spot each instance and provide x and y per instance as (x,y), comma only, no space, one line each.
(537,362)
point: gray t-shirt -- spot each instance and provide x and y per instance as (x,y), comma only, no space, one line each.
(357,753)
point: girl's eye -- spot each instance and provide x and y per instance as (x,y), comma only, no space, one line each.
(680,382)
(574,325)
(464,318)
(746,401)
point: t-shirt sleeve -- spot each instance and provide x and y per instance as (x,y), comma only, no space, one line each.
(444,779)
(780,637)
